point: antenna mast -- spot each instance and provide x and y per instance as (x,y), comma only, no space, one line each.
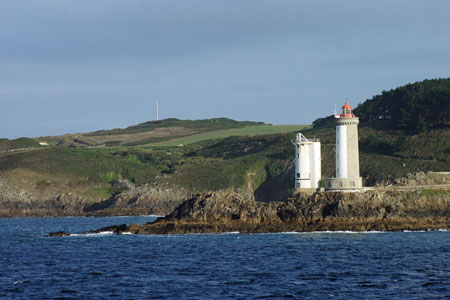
(157,111)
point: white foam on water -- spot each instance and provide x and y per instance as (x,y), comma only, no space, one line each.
(429,230)
(126,232)
(180,235)
(103,233)
(152,216)
(372,231)
(349,231)
(329,231)
(208,233)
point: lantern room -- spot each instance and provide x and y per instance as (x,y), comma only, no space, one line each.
(346,111)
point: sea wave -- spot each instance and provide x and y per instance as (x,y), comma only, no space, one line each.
(428,230)
(103,233)
(329,231)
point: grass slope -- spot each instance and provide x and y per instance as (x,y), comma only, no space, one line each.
(195,125)
(20,143)
(384,156)
(79,164)
(146,133)
(235,162)
(220,134)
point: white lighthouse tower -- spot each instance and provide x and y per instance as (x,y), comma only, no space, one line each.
(347,152)
(307,164)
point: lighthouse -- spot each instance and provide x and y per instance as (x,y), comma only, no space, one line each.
(307,164)
(347,153)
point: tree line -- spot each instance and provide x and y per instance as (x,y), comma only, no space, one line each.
(414,107)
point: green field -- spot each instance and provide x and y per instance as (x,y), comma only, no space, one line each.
(220,134)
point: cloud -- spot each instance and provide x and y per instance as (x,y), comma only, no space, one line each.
(111,29)
(263,60)
(6,90)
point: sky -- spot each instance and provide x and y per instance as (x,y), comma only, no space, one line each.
(82,65)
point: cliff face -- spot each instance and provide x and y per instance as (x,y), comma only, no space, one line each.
(144,200)
(424,178)
(227,212)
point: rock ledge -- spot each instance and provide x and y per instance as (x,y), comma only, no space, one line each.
(216,212)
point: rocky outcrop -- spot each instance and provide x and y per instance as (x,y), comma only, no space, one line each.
(118,229)
(228,212)
(58,233)
(424,178)
(143,200)
(122,183)
(53,206)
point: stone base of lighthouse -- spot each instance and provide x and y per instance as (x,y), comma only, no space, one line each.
(306,191)
(342,184)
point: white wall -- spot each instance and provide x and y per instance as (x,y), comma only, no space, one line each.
(341,151)
(316,165)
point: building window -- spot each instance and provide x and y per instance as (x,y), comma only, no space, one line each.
(353,183)
(298,175)
(340,183)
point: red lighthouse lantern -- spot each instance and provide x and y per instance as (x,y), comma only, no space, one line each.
(346,111)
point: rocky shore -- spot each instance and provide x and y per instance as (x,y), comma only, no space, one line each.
(131,201)
(30,200)
(327,211)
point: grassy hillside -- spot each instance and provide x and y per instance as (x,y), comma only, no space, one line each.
(241,162)
(235,162)
(20,143)
(193,125)
(73,163)
(148,132)
(220,134)
(79,164)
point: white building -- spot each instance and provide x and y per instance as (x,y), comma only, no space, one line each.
(307,164)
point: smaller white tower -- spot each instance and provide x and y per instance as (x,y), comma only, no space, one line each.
(307,163)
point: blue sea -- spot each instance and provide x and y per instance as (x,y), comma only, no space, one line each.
(343,265)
